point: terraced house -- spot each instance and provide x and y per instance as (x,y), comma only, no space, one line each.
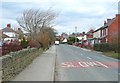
(107,32)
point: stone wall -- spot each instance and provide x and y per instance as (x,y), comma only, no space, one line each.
(15,62)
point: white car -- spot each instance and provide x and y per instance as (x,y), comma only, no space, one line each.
(56,42)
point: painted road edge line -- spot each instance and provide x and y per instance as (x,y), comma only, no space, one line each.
(89,58)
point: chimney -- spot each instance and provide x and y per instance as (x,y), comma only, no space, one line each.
(108,20)
(19,28)
(117,15)
(104,22)
(8,26)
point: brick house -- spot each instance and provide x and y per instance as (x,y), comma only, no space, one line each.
(89,37)
(90,34)
(104,33)
(113,28)
(104,30)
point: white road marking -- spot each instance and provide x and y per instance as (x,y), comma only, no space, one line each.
(66,64)
(83,64)
(102,64)
(91,63)
(89,58)
(99,52)
(85,49)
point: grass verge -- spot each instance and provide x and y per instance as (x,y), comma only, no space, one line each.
(112,54)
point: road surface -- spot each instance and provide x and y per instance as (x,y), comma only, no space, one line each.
(78,64)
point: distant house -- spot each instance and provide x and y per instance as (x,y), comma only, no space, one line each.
(96,36)
(2,36)
(89,38)
(80,36)
(64,40)
(64,35)
(10,32)
(90,34)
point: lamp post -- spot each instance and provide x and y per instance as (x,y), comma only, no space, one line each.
(75,34)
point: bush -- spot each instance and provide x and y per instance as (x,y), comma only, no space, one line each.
(71,40)
(115,48)
(24,43)
(35,44)
(104,47)
(7,48)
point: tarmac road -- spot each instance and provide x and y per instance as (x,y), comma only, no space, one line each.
(78,64)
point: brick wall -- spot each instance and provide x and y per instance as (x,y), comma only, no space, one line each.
(113,28)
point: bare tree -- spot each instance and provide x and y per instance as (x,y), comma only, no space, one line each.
(39,24)
(33,20)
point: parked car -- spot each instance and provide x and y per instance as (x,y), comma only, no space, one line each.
(78,44)
(57,42)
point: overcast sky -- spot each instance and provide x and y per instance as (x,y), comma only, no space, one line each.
(84,14)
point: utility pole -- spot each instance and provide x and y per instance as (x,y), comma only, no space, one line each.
(75,34)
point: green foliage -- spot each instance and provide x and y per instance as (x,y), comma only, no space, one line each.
(24,43)
(72,40)
(115,48)
(105,47)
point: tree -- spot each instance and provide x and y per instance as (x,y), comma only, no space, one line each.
(71,40)
(39,24)
(20,34)
(46,37)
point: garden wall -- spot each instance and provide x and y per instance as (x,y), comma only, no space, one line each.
(15,62)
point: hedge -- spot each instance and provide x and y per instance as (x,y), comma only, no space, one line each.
(104,47)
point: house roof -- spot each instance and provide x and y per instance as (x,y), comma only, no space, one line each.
(7,29)
(97,29)
(3,35)
(108,23)
(89,32)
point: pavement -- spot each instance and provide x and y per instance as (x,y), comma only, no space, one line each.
(41,69)
(0,69)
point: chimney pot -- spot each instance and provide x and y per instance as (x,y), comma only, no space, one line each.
(108,20)
(8,25)
(117,15)
(104,22)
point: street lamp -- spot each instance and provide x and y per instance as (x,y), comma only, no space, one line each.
(75,34)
